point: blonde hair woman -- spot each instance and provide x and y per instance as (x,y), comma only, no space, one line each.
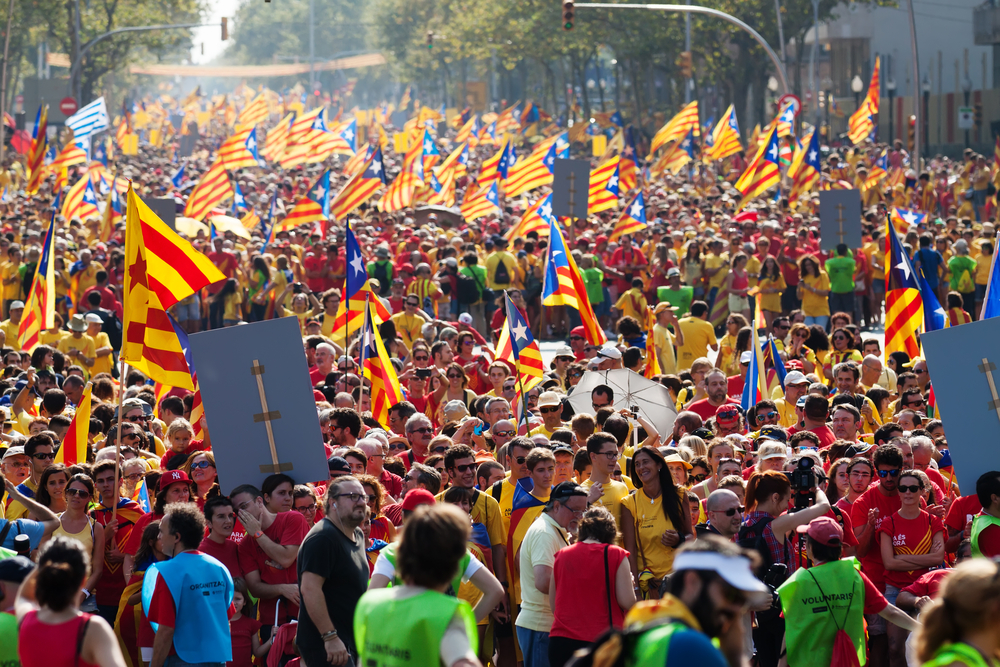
(962,626)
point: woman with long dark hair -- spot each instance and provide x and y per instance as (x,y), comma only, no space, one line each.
(259,277)
(53,631)
(814,287)
(771,285)
(52,488)
(655,521)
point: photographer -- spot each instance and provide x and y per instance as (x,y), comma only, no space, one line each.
(766,524)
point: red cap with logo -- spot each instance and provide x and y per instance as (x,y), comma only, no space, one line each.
(172,477)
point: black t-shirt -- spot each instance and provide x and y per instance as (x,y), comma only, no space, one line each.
(328,553)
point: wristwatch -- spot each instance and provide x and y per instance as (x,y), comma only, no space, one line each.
(330,635)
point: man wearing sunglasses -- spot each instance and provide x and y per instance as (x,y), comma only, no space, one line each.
(796,386)
(551,408)
(41,450)
(868,512)
(419,432)
(111,584)
(725,515)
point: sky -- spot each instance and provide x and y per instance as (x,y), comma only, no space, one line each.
(211,35)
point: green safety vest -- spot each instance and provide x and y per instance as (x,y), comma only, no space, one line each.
(389,551)
(651,647)
(981,522)
(393,632)
(8,641)
(957,652)
(817,602)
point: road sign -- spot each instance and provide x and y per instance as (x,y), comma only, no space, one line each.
(570,188)
(68,106)
(966,119)
(790,100)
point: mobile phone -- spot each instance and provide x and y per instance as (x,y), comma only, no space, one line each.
(423,373)
(478,429)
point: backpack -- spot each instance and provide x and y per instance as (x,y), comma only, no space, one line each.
(965,282)
(502,275)
(752,537)
(383,273)
(468,289)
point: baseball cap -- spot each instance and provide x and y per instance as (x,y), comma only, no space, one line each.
(417,497)
(673,271)
(727,414)
(801,403)
(824,530)
(662,306)
(795,377)
(578,331)
(773,433)
(17,450)
(93,318)
(15,569)
(857,449)
(734,570)
(548,399)
(14,305)
(703,433)
(610,352)
(338,466)
(746,356)
(173,477)
(566,490)
(465,318)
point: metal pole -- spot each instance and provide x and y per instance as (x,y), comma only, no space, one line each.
(694,9)
(75,77)
(781,31)
(312,45)
(687,47)
(917,110)
(813,79)
(3,80)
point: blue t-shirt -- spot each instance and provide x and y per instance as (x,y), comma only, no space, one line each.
(33,529)
(929,261)
(690,647)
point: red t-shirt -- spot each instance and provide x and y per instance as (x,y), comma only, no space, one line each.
(927,583)
(938,479)
(287,528)
(135,537)
(989,541)
(226,553)
(575,616)
(790,272)
(909,536)
(850,539)
(193,446)
(962,511)
(734,386)
(241,630)
(706,410)
(315,262)
(871,562)
(316,376)
(621,258)
(825,435)
(875,602)
(393,484)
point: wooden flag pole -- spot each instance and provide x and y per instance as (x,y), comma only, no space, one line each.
(118,441)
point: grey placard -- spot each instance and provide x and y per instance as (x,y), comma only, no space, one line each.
(840,218)
(165,208)
(570,188)
(236,366)
(963,363)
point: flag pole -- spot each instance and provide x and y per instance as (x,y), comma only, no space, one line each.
(517,371)
(993,264)
(118,441)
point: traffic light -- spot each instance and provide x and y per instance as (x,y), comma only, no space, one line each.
(568,14)
(430,39)
(225,28)
(911,132)
(684,64)
(977,114)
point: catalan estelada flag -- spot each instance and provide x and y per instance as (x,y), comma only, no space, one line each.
(313,207)
(114,212)
(764,172)
(356,291)
(785,122)
(627,170)
(161,268)
(482,203)
(36,154)
(518,347)
(563,285)
(378,369)
(81,200)
(652,366)
(535,219)
(71,154)
(469,132)
(686,120)
(726,136)
(807,168)
(878,171)
(862,121)
(632,219)
(253,113)
(399,194)
(755,385)
(360,188)
(277,138)
(532,172)
(357,161)
(75,442)
(525,507)
(903,218)
(904,309)
(458,158)
(240,150)
(212,190)
(603,192)
(40,313)
(676,157)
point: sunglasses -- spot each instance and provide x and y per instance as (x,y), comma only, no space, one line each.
(504,434)
(412,304)
(440,450)
(909,488)
(422,430)
(465,467)
(549,410)
(453,376)
(783,327)
(468,342)
(508,388)
(397,446)
(420,358)
(83,493)
(202,464)
(919,371)
(138,418)
(44,457)
(888,473)
(520,460)
(699,477)
(576,374)
(769,415)
(732,510)
(915,403)
(372,497)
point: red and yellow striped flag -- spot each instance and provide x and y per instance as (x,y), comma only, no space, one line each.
(604,186)
(678,126)
(71,154)
(40,313)
(253,113)
(75,442)
(563,285)
(81,200)
(277,139)
(652,367)
(360,188)
(862,121)
(212,190)
(378,369)
(36,155)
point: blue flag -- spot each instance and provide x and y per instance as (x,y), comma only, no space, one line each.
(991,303)
(935,317)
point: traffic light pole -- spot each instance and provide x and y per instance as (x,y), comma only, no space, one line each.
(694,9)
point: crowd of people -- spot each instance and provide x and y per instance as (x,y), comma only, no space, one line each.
(491,521)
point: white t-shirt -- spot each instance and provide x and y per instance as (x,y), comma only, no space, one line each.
(388,570)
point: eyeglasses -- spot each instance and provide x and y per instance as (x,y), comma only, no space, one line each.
(420,358)
(505,434)
(202,464)
(464,467)
(137,418)
(731,511)
(612,456)
(83,493)
(394,446)
(441,449)
(699,477)
(909,488)
(134,476)
(548,410)
(888,473)
(454,376)
(44,457)
(308,508)
(423,429)
(769,415)
(919,371)
(353,497)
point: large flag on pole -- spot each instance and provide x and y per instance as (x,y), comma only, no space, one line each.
(676,127)
(755,385)
(36,155)
(75,442)
(518,347)
(378,369)
(862,121)
(563,285)
(41,311)
(904,310)
(89,120)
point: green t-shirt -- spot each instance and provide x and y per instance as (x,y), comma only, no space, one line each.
(593,278)
(679,298)
(478,274)
(841,272)
(958,265)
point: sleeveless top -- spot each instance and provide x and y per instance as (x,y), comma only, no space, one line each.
(52,645)
(84,537)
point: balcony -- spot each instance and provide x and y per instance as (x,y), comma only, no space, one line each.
(986,23)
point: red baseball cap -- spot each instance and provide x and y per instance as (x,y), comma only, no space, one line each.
(824,530)
(578,331)
(727,414)
(173,477)
(417,497)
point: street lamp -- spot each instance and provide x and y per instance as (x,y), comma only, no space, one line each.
(966,91)
(772,85)
(925,87)
(827,84)
(890,86)
(857,85)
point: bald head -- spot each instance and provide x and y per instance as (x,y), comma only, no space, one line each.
(721,499)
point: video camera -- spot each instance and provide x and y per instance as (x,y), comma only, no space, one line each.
(803,480)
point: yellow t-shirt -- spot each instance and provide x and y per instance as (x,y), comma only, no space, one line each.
(88,277)
(611,499)
(814,305)
(633,304)
(753,270)
(233,303)
(717,262)
(983,263)
(726,360)
(408,327)
(51,338)
(16,510)
(649,523)
(771,301)
(13,290)
(84,343)
(510,263)
(664,341)
(102,364)
(786,410)
(10,330)
(698,336)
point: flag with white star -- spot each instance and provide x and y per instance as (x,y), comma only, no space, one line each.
(267,230)
(178,178)
(314,207)
(902,219)
(603,191)
(378,369)
(518,347)
(904,309)
(632,219)
(360,188)
(935,317)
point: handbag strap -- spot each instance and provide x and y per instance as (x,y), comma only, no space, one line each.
(830,608)
(80,634)
(607,585)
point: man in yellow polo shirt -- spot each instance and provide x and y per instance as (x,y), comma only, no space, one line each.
(796,386)
(409,322)
(78,346)
(603,450)
(550,406)
(697,335)
(104,361)
(11,325)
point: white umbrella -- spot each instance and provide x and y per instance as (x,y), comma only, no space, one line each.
(631,391)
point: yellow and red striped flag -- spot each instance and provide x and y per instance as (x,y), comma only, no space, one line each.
(161,268)
(360,188)
(904,308)
(458,158)
(239,150)
(469,132)
(36,154)
(81,200)
(399,194)
(532,172)
(357,161)
(535,219)
(378,369)
(277,139)
(563,285)
(70,154)
(40,313)
(862,121)
(212,190)
(302,127)
(763,173)
(482,203)
(632,219)
(253,113)
(528,364)
(76,441)
(678,126)
(725,137)
(603,193)
(314,207)
(444,192)
(652,367)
